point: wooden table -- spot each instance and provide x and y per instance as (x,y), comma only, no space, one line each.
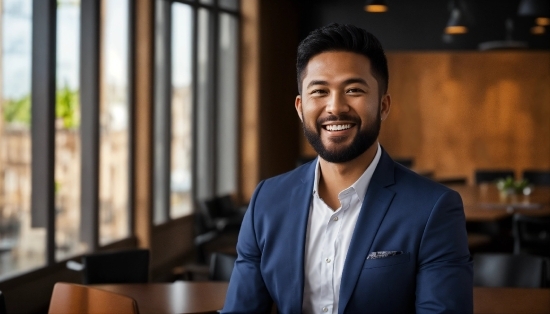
(485,202)
(208,297)
(177,297)
(511,300)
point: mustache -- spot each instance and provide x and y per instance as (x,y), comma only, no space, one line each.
(341,117)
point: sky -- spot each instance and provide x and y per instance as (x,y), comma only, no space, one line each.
(16,47)
(17,44)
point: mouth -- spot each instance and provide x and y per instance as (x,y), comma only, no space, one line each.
(338,127)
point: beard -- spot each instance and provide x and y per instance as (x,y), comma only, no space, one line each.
(360,143)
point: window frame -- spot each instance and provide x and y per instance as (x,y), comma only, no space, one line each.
(163,104)
(43,93)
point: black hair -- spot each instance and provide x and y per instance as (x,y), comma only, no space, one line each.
(344,37)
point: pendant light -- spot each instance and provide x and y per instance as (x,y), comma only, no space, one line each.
(376,6)
(457,20)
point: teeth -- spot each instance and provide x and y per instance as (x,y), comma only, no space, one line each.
(338,127)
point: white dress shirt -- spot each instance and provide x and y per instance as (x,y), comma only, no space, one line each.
(327,241)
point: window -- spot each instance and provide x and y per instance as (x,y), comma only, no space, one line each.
(21,246)
(64,183)
(196,102)
(181,113)
(114,116)
(67,131)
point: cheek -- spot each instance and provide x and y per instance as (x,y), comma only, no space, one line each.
(310,113)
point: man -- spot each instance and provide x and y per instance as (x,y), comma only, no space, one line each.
(352,231)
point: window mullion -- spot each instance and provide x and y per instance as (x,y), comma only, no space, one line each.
(89,99)
(131,113)
(195,103)
(43,120)
(215,99)
(162,113)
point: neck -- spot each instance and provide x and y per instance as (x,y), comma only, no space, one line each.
(336,177)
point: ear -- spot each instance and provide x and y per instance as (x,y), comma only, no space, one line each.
(385,106)
(298,106)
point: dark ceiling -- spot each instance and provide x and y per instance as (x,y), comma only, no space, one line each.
(419,24)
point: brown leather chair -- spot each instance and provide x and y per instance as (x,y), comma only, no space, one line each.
(68,298)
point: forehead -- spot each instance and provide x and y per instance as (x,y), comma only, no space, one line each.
(338,65)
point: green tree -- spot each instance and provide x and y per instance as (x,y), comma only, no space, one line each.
(67,106)
(18,110)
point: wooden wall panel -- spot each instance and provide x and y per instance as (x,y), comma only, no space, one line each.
(268,119)
(454,112)
(249,168)
(143,111)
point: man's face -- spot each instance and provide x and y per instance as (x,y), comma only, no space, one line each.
(340,108)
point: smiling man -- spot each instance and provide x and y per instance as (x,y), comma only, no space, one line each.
(351,231)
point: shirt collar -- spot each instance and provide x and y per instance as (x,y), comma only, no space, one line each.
(361,185)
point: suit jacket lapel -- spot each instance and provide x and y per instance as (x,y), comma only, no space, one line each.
(374,208)
(300,200)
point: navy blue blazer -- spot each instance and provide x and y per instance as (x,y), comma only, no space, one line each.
(402,211)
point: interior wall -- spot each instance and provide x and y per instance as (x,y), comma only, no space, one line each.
(269,145)
(279,148)
(453,112)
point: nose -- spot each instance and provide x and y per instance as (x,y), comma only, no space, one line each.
(337,104)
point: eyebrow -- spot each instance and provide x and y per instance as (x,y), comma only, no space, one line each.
(346,82)
(316,82)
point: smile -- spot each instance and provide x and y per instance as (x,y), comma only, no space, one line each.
(338,127)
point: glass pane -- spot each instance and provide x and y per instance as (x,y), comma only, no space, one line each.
(229,4)
(67,131)
(113,119)
(207,1)
(180,174)
(21,247)
(227,129)
(204,122)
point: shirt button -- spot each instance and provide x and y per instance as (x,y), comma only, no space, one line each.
(335,218)
(328,260)
(325,309)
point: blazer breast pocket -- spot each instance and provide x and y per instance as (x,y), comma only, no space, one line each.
(387,261)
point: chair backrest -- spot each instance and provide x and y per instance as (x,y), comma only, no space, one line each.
(537,177)
(208,211)
(509,270)
(407,162)
(68,298)
(221,266)
(453,181)
(226,205)
(488,175)
(121,266)
(531,234)
(2,304)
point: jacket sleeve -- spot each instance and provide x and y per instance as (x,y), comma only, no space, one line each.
(247,292)
(445,274)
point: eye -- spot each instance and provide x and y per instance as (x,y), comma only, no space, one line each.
(354,90)
(318,92)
